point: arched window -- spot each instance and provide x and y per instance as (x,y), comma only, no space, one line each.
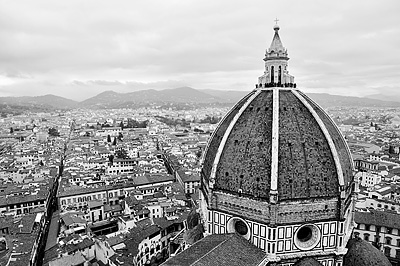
(272,74)
(366,237)
(280,75)
(387,251)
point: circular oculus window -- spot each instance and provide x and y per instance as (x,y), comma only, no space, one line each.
(238,225)
(241,227)
(307,237)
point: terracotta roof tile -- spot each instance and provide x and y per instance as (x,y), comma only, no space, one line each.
(215,250)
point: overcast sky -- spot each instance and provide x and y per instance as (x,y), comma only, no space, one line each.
(79,48)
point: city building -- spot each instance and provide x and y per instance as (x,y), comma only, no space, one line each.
(382,229)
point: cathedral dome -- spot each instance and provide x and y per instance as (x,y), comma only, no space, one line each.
(278,172)
(276,144)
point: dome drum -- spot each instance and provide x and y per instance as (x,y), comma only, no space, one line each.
(299,211)
(235,205)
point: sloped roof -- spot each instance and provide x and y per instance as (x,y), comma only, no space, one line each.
(72,219)
(73,260)
(379,218)
(276,44)
(216,250)
(307,261)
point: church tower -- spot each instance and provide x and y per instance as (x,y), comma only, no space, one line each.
(278,172)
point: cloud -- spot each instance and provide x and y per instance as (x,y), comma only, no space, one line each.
(73,47)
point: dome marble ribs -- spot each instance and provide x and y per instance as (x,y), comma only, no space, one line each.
(245,163)
(239,157)
(215,141)
(306,165)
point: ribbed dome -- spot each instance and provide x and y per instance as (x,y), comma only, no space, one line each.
(277,139)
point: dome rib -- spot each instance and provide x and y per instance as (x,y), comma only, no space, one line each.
(306,164)
(226,135)
(215,140)
(327,136)
(339,141)
(244,167)
(275,143)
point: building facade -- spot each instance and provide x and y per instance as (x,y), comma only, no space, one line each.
(381,229)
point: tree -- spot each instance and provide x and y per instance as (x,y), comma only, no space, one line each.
(121,125)
(108,138)
(120,136)
(136,124)
(11,130)
(198,153)
(54,132)
(121,154)
(115,141)
(391,149)
(111,158)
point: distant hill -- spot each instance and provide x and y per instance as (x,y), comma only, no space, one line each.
(45,101)
(182,96)
(384,97)
(323,99)
(111,99)
(227,96)
(329,100)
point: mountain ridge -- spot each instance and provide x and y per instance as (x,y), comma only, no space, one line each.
(383,97)
(177,95)
(181,95)
(47,100)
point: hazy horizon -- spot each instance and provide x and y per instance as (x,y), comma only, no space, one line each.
(202,90)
